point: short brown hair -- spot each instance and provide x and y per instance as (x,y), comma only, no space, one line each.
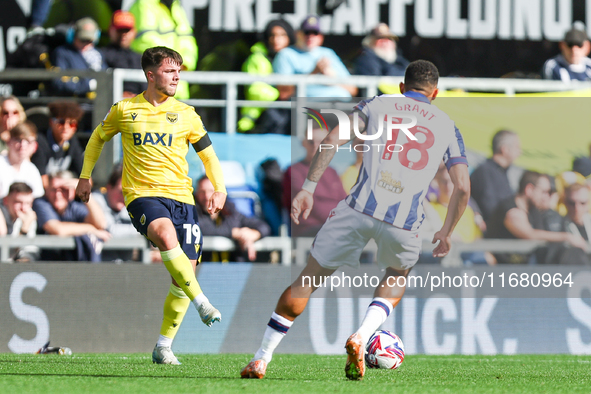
(500,139)
(20,187)
(23,130)
(530,177)
(153,57)
(65,110)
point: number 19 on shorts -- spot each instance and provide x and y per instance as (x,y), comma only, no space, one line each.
(192,233)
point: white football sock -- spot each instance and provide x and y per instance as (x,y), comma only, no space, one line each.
(200,299)
(276,330)
(377,313)
(164,341)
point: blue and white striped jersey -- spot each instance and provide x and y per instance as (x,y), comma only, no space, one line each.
(391,185)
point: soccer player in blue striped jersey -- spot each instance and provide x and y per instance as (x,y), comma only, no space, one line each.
(385,204)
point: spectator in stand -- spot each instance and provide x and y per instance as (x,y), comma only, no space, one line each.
(278,34)
(380,55)
(16,166)
(59,149)
(19,219)
(118,222)
(466,230)
(17,208)
(165,23)
(78,54)
(58,214)
(12,113)
(118,53)
(490,183)
(327,195)
(229,223)
(578,222)
(69,11)
(572,63)
(518,217)
(308,57)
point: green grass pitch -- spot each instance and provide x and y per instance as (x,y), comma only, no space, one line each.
(135,373)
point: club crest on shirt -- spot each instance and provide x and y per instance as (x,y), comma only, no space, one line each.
(390,184)
(143,219)
(133,115)
(172,117)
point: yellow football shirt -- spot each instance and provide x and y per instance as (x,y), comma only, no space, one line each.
(155,143)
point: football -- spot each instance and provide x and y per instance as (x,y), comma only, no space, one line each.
(384,350)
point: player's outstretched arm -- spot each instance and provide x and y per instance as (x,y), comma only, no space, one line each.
(213,170)
(91,154)
(325,153)
(457,205)
(304,201)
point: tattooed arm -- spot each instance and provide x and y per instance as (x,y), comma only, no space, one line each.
(303,201)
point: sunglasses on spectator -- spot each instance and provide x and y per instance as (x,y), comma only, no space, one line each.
(24,141)
(62,189)
(61,122)
(5,113)
(311,32)
(572,203)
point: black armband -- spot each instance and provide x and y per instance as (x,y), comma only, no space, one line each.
(203,143)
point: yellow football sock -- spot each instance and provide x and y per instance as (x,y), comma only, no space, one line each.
(178,265)
(175,307)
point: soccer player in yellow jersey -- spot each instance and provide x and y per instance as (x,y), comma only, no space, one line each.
(156,131)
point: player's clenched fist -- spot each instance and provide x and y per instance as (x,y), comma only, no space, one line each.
(83,189)
(302,204)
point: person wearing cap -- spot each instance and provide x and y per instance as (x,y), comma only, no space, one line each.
(307,57)
(380,56)
(165,23)
(572,63)
(278,34)
(79,54)
(118,53)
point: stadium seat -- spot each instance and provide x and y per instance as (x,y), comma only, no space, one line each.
(245,198)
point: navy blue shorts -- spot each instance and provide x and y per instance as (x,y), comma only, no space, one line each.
(145,210)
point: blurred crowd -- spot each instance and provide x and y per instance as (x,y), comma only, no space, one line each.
(40,162)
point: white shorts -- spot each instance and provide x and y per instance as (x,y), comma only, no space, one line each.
(342,238)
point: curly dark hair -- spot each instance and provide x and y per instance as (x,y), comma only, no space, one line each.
(65,110)
(421,74)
